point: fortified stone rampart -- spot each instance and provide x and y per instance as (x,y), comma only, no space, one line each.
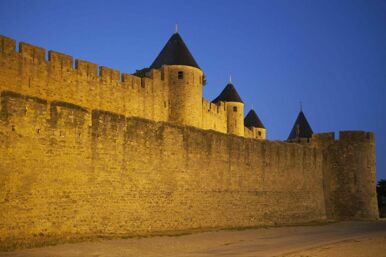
(67,172)
(56,79)
(349,174)
(157,96)
(257,133)
(214,116)
(87,153)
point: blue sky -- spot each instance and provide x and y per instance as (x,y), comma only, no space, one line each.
(331,55)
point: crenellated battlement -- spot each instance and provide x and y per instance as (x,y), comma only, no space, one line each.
(60,61)
(64,62)
(356,136)
(149,94)
(60,77)
(32,53)
(323,140)
(349,174)
(85,68)
(328,138)
(214,116)
(96,148)
(7,45)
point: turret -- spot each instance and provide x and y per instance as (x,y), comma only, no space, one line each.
(349,174)
(301,131)
(254,124)
(234,108)
(184,79)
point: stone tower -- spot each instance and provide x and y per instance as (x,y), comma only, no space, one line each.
(301,131)
(184,79)
(253,122)
(349,174)
(234,108)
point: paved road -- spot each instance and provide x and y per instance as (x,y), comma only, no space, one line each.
(251,242)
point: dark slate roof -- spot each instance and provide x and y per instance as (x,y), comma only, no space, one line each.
(252,120)
(174,52)
(301,128)
(229,94)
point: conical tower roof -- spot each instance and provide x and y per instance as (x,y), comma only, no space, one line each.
(301,128)
(174,52)
(229,94)
(252,120)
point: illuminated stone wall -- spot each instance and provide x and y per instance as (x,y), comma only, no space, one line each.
(85,154)
(68,172)
(349,174)
(160,96)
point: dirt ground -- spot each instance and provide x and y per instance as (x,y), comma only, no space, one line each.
(368,246)
(345,239)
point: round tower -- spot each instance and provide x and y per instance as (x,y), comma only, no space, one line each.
(356,176)
(184,79)
(234,108)
(185,94)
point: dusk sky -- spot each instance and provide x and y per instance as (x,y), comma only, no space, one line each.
(330,55)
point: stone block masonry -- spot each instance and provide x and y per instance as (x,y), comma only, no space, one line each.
(57,79)
(88,152)
(349,174)
(68,172)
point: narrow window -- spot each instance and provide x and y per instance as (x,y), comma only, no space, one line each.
(235,108)
(180,75)
(259,133)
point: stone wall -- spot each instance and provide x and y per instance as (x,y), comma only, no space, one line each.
(256,133)
(68,172)
(87,153)
(349,174)
(160,96)
(214,116)
(56,79)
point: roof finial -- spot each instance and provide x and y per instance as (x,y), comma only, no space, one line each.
(301,106)
(176,28)
(230,78)
(252,107)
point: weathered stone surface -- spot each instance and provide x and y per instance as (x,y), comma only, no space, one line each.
(349,174)
(66,171)
(76,163)
(160,96)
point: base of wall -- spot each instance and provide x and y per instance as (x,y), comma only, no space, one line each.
(41,240)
